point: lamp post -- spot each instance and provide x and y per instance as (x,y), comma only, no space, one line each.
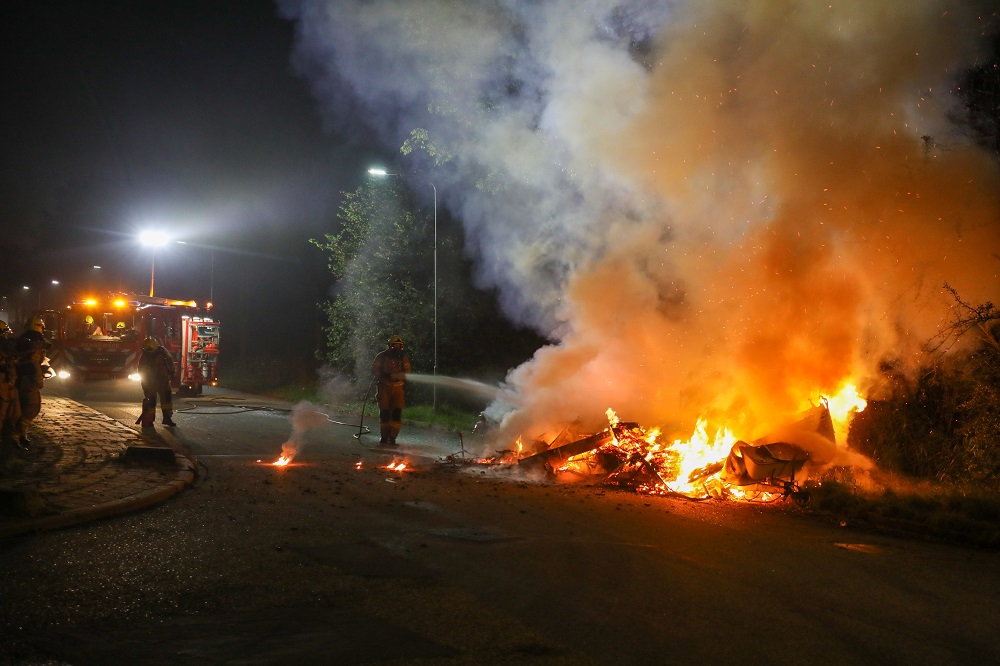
(55,283)
(153,239)
(27,288)
(383,172)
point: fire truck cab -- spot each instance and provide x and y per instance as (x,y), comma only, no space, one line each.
(102,338)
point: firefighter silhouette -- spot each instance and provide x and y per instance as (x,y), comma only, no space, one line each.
(156,367)
(390,368)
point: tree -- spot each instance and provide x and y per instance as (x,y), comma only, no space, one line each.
(943,423)
(979,91)
(381,264)
(384,284)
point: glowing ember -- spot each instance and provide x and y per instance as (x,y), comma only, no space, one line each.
(357,465)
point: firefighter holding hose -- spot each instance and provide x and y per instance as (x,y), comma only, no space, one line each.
(390,368)
(156,367)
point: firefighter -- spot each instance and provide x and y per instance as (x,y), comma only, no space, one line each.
(32,368)
(36,331)
(92,328)
(390,368)
(10,403)
(156,367)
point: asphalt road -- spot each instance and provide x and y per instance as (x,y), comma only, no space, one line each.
(335,559)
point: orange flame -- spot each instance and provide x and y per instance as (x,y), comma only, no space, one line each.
(692,467)
(282,461)
(395,466)
(699,453)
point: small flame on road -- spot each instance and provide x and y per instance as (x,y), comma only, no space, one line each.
(282,461)
(395,466)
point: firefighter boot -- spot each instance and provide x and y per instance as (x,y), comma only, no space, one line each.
(167,421)
(386,433)
(148,412)
(22,429)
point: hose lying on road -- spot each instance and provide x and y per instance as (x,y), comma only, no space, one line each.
(212,406)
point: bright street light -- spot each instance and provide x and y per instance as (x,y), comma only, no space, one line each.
(376,171)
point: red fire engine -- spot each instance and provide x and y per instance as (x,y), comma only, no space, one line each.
(102,338)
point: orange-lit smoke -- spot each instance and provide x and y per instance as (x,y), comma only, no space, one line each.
(716,210)
(812,203)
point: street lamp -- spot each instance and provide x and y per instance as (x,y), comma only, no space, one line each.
(381,173)
(153,239)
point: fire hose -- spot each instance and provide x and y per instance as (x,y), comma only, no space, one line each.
(362,430)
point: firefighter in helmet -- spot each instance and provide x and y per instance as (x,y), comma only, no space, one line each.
(36,331)
(390,368)
(32,369)
(91,327)
(156,368)
(10,403)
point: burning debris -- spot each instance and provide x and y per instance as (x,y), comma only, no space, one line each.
(396,465)
(625,455)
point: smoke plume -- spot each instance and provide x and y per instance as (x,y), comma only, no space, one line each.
(304,417)
(714,209)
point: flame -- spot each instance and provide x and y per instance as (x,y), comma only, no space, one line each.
(692,467)
(358,465)
(686,467)
(282,461)
(843,405)
(395,466)
(697,455)
(846,403)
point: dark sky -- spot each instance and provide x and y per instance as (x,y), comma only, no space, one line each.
(179,115)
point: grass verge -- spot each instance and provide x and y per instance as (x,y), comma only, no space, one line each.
(892,504)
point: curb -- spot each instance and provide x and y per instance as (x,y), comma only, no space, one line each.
(134,495)
(138,502)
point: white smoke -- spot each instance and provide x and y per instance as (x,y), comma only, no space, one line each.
(716,208)
(305,416)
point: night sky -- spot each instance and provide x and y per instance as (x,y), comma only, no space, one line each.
(183,116)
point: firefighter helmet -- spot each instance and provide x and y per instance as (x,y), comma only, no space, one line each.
(89,320)
(120,326)
(395,340)
(150,344)
(37,324)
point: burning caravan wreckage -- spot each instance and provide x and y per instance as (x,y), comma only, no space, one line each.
(627,456)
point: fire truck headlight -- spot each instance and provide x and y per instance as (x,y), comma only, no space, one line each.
(134,376)
(62,374)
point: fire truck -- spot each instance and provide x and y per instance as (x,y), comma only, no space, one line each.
(102,338)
